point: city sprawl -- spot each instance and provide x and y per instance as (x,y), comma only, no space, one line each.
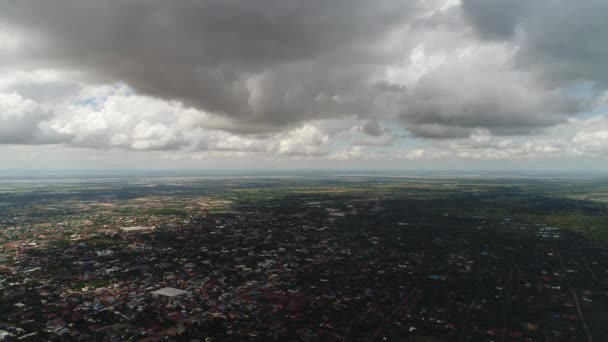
(331,259)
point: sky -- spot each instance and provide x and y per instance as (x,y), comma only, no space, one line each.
(304,84)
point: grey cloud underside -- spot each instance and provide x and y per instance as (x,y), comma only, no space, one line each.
(268,65)
(565,40)
(372,128)
(495,19)
(269,62)
(455,102)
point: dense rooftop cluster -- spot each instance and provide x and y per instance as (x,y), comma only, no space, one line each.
(358,269)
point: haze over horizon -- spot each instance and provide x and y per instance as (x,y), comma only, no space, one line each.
(299,84)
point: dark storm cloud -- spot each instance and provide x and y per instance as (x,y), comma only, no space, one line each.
(262,61)
(268,65)
(565,40)
(453,102)
(496,19)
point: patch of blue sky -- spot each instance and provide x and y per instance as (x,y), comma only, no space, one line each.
(340,145)
(94,103)
(581,90)
(587,91)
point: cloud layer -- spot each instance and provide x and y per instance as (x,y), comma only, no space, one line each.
(277,76)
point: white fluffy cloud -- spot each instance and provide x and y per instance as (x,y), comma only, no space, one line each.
(114,117)
(592,137)
(25,121)
(587,138)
